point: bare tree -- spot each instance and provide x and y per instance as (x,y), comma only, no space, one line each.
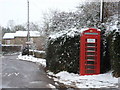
(11,25)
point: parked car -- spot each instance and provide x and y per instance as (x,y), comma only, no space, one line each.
(25,50)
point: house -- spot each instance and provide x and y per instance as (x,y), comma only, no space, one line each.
(20,38)
(8,38)
(0,42)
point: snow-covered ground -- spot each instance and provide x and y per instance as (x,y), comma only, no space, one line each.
(88,81)
(37,51)
(76,81)
(32,59)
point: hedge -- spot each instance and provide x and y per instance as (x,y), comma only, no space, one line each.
(62,54)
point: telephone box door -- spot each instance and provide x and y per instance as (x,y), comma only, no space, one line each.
(90,52)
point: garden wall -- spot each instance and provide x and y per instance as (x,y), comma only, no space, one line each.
(11,48)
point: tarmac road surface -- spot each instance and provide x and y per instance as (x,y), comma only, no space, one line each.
(22,74)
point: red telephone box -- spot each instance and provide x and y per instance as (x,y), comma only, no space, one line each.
(90,52)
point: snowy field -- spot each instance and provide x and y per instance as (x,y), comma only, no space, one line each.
(76,81)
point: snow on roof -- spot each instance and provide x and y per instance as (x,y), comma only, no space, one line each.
(8,36)
(24,34)
(21,34)
(84,29)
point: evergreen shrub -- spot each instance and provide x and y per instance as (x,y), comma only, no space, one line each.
(63,52)
(115,54)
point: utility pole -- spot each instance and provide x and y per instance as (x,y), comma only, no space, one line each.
(102,11)
(118,24)
(119,11)
(28,33)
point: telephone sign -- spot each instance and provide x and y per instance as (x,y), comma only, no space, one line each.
(90,40)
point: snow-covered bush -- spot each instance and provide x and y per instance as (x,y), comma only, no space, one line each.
(104,49)
(63,52)
(112,40)
(87,15)
(115,53)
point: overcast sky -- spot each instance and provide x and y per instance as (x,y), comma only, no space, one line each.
(17,9)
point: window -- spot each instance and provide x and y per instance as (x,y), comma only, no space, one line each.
(8,41)
(90,45)
(90,58)
(90,62)
(31,39)
(90,67)
(91,40)
(90,71)
(90,49)
(90,53)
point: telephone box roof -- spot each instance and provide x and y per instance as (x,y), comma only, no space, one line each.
(84,29)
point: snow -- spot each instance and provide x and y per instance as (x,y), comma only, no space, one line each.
(38,51)
(70,33)
(10,74)
(8,36)
(33,59)
(112,23)
(51,86)
(88,81)
(11,45)
(114,26)
(24,33)
(21,34)
(105,80)
(84,29)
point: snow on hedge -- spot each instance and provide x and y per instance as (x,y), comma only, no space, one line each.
(112,23)
(70,33)
(62,51)
(88,81)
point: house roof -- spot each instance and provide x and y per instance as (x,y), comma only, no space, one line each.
(24,34)
(21,34)
(8,36)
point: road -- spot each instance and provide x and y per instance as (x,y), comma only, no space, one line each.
(22,74)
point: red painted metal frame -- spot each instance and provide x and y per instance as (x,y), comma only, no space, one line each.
(83,52)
